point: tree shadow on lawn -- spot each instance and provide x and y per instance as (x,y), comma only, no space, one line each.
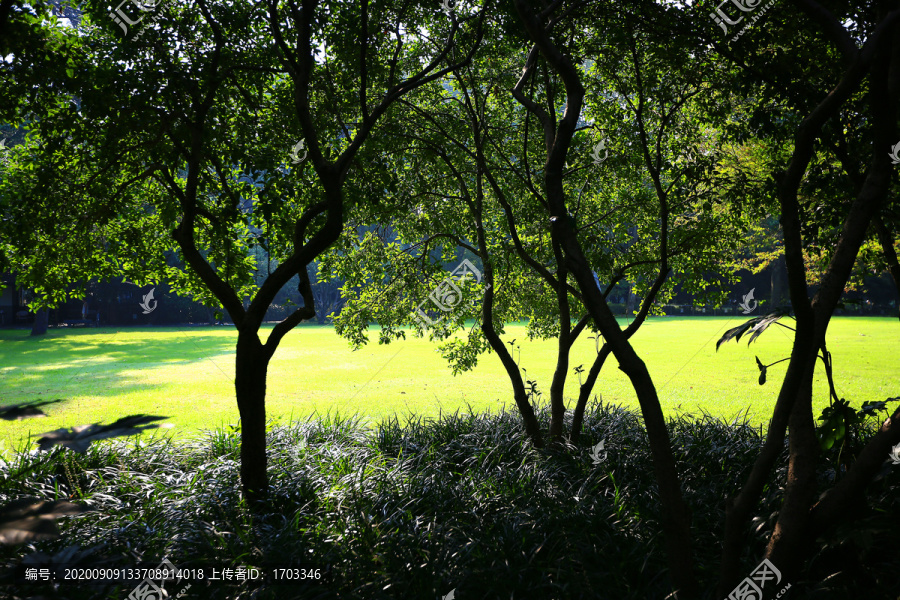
(98,364)
(69,409)
(65,357)
(117,345)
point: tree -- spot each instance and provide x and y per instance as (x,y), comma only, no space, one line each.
(470,157)
(174,150)
(866,43)
(558,137)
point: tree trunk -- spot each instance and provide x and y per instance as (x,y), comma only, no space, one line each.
(674,512)
(251,365)
(564,343)
(41,322)
(532,427)
(557,389)
(890,256)
(779,283)
(739,508)
(790,541)
(585,393)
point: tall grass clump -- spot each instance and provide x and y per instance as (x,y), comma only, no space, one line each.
(412,509)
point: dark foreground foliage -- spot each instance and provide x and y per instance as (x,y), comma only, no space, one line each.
(424,508)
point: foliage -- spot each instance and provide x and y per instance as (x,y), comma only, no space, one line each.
(421,506)
(755,326)
(848,428)
(26,520)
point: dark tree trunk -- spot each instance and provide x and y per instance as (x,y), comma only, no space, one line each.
(557,390)
(791,539)
(674,512)
(890,256)
(779,283)
(532,427)
(584,393)
(476,205)
(251,364)
(564,343)
(790,542)
(41,322)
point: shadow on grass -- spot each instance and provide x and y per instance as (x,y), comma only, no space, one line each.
(99,363)
(115,344)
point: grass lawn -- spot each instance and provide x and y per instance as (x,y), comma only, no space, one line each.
(187,373)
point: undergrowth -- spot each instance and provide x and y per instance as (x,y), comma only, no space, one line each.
(420,508)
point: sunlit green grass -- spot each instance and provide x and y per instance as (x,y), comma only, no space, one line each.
(187,373)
